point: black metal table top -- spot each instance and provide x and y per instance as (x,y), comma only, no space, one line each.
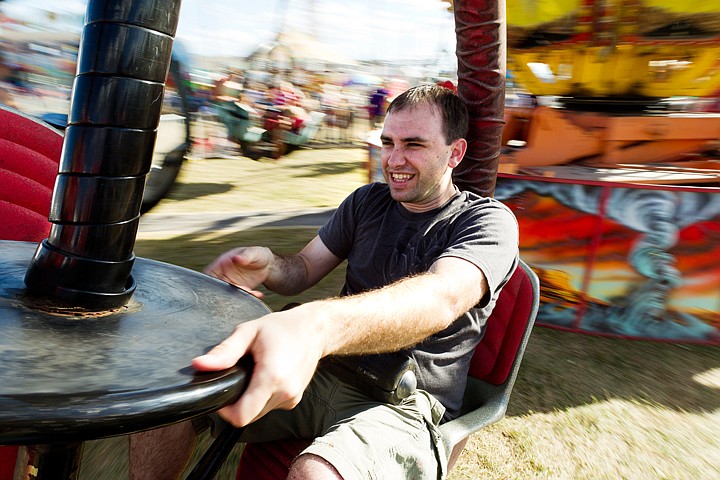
(75,376)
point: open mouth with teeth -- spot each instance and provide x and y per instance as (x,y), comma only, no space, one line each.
(401,177)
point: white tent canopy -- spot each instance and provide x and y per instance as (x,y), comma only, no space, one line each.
(300,47)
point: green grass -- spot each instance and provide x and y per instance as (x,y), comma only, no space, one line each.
(583,407)
(304,179)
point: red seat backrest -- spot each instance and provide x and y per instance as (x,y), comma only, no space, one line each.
(494,356)
(8,457)
(29,156)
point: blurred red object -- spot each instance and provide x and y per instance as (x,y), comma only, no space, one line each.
(29,155)
(448,84)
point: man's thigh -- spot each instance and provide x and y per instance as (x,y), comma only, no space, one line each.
(386,441)
(315,412)
(361,438)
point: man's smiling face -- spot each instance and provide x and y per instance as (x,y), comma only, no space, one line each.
(417,163)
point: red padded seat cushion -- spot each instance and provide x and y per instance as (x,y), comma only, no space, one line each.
(269,460)
(29,163)
(23,192)
(8,457)
(29,156)
(496,352)
(22,129)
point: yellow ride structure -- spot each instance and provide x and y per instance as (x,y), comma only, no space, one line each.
(612,65)
(604,48)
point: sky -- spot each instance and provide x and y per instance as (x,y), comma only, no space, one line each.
(360,29)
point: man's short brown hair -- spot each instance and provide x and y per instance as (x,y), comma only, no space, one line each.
(453,111)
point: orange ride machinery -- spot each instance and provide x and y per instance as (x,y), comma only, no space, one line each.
(610,163)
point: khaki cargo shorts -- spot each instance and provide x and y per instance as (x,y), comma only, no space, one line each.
(361,438)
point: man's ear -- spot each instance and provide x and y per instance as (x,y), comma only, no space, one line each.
(457,152)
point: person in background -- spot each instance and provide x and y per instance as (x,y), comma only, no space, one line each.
(6,86)
(376,106)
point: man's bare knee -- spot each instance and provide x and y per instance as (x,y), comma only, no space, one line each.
(309,466)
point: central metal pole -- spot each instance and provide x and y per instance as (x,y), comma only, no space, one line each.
(123,61)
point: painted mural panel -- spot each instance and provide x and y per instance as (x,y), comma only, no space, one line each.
(618,259)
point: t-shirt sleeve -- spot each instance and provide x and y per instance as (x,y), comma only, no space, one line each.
(338,233)
(488,238)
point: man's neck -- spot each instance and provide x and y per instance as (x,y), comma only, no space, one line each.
(443,199)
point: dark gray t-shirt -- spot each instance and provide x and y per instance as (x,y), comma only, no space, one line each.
(384,242)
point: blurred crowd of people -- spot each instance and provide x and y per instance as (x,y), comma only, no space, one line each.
(344,107)
(351,104)
(33,79)
(349,110)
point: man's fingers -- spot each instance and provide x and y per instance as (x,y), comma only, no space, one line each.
(242,267)
(218,271)
(260,398)
(251,405)
(249,259)
(226,354)
(243,260)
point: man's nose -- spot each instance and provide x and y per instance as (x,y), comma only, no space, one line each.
(396,157)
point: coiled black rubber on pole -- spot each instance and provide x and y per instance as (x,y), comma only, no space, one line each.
(116,103)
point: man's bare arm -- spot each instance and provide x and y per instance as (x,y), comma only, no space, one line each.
(293,274)
(401,314)
(287,346)
(249,267)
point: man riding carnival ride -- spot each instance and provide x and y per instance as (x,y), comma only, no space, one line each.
(425,265)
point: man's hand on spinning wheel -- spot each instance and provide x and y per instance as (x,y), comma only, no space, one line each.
(285,351)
